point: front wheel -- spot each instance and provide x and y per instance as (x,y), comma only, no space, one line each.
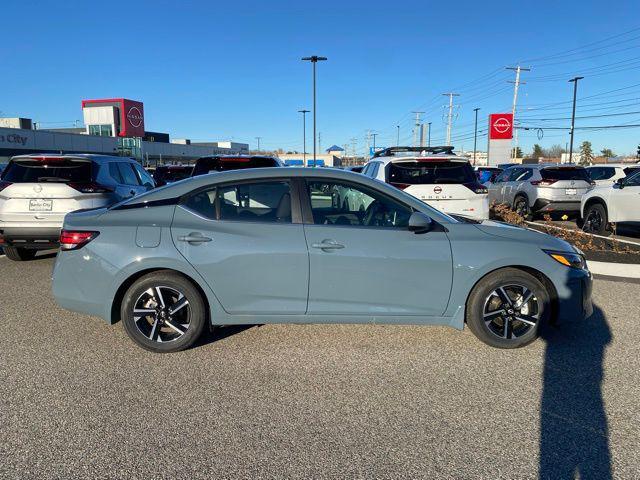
(521,207)
(18,254)
(506,308)
(596,220)
(163,312)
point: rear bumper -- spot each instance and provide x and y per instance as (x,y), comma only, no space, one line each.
(544,205)
(31,237)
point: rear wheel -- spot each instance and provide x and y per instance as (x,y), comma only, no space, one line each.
(596,220)
(163,312)
(19,254)
(506,308)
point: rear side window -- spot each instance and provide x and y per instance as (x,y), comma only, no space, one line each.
(565,174)
(128,175)
(631,170)
(430,172)
(48,169)
(601,173)
(220,164)
(248,202)
(114,171)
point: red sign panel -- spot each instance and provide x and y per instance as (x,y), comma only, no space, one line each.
(131,114)
(501,126)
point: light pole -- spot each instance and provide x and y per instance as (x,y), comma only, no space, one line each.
(429,137)
(314,59)
(475,135)
(304,136)
(258,139)
(398,136)
(573,114)
(374,135)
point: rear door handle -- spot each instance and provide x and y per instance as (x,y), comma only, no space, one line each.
(328,245)
(194,238)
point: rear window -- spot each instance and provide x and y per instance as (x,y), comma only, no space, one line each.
(428,172)
(221,164)
(565,174)
(53,169)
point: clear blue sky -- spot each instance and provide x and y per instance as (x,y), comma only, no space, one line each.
(232,70)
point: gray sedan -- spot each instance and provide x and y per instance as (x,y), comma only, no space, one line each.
(278,245)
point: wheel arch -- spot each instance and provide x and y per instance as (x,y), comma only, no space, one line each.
(124,286)
(592,201)
(544,279)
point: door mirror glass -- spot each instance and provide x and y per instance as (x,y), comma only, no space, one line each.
(420,223)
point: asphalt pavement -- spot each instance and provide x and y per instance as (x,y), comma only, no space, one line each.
(79,400)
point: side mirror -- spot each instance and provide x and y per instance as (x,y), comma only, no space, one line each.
(148,186)
(420,223)
(620,182)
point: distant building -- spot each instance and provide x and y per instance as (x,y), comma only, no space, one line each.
(335,150)
(481,157)
(17,122)
(297,160)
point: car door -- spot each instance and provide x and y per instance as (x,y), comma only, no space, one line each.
(624,203)
(247,242)
(364,261)
(496,188)
(509,186)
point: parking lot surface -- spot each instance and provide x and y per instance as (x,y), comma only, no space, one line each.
(79,399)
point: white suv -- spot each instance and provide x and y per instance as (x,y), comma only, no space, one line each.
(434,175)
(608,173)
(37,191)
(603,205)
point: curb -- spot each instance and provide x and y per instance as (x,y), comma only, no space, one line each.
(620,270)
(628,242)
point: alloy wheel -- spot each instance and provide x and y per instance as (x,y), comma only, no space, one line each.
(510,311)
(594,221)
(162,314)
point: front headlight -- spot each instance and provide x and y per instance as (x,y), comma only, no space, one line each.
(569,259)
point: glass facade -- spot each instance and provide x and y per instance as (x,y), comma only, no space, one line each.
(101,130)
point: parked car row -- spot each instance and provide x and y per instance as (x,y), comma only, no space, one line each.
(600,195)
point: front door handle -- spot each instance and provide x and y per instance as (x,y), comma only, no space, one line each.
(194,238)
(328,245)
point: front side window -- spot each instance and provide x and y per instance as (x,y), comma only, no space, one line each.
(633,180)
(143,176)
(337,203)
(247,202)
(601,173)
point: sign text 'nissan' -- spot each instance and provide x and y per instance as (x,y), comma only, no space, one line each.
(500,126)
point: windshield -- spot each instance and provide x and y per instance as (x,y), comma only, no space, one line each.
(48,169)
(220,164)
(430,172)
(565,174)
(173,174)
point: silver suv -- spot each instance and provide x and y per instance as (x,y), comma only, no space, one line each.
(37,191)
(541,188)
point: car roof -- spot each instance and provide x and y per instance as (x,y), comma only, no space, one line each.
(188,185)
(615,165)
(540,166)
(89,156)
(426,158)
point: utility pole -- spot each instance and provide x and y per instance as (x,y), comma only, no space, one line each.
(374,135)
(475,136)
(320,141)
(422,142)
(415,128)
(258,139)
(314,59)
(398,136)
(429,138)
(304,136)
(516,84)
(573,114)
(450,115)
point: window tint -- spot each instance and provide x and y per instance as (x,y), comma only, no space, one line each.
(128,175)
(522,174)
(114,171)
(601,173)
(504,176)
(631,170)
(565,174)
(48,169)
(337,203)
(430,172)
(366,169)
(633,180)
(374,170)
(220,164)
(143,176)
(203,203)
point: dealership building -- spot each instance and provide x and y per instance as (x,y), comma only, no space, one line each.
(113,126)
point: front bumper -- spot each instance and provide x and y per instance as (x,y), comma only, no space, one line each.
(574,296)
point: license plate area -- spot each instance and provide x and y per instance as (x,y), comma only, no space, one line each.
(571,191)
(40,205)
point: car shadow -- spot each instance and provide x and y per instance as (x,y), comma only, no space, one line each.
(574,435)
(220,333)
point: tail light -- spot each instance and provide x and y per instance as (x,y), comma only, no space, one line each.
(401,186)
(73,240)
(543,183)
(1,239)
(4,185)
(90,187)
(476,188)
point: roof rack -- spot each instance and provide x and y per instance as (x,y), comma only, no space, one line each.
(433,150)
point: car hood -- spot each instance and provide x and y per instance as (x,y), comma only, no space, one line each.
(526,235)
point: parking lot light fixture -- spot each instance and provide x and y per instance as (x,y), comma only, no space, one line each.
(314,59)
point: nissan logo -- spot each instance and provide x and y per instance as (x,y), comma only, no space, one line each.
(501,125)
(437,190)
(135,117)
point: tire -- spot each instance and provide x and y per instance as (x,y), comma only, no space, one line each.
(18,254)
(155,328)
(503,324)
(521,207)
(596,220)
